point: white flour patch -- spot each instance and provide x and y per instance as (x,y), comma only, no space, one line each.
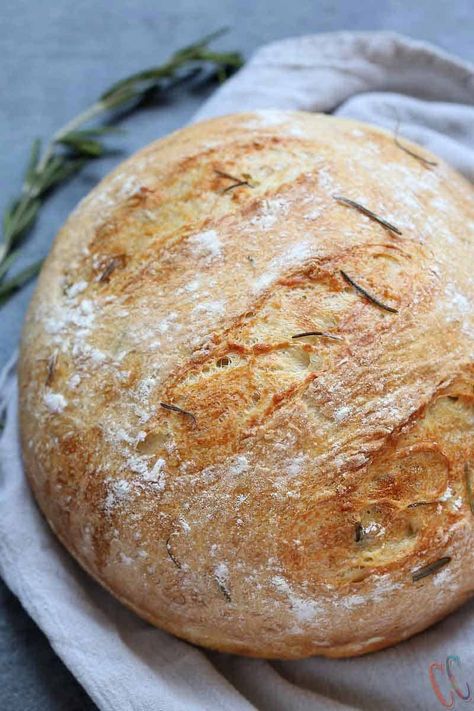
(383,586)
(326,182)
(145,387)
(374,529)
(342,414)
(296,465)
(209,308)
(351,601)
(206,244)
(193,285)
(448,494)
(294,255)
(304,609)
(457,301)
(268,117)
(239,465)
(115,435)
(70,326)
(74,381)
(221,573)
(285,120)
(120,187)
(455,502)
(87,351)
(443,578)
(269,213)
(80,315)
(55,402)
(157,475)
(441,204)
(76,289)
(118,491)
(125,559)
(313,215)
(184,524)
(386,408)
(168,323)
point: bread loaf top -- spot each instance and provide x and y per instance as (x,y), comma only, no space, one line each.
(236,482)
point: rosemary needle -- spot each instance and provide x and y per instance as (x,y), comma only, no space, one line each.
(367,294)
(400,145)
(52,362)
(369,213)
(359,532)
(430,568)
(467,474)
(111,266)
(170,552)
(223,590)
(323,334)
(175,408)
(238,182)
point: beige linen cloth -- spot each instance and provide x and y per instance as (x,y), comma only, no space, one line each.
(125,664)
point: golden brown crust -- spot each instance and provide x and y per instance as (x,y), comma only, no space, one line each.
(307,495)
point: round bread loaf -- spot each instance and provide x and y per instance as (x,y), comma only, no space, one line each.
(246,385)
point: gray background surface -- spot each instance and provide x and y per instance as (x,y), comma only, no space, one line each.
(57,57)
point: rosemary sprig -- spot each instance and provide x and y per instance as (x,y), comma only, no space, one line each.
(369,213)
(175,408)
(430,568)
(365,293)
(191,57)
(72,146)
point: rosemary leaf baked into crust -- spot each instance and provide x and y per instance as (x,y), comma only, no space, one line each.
(246,405)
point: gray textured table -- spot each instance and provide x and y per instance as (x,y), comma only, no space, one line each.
(57,56)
